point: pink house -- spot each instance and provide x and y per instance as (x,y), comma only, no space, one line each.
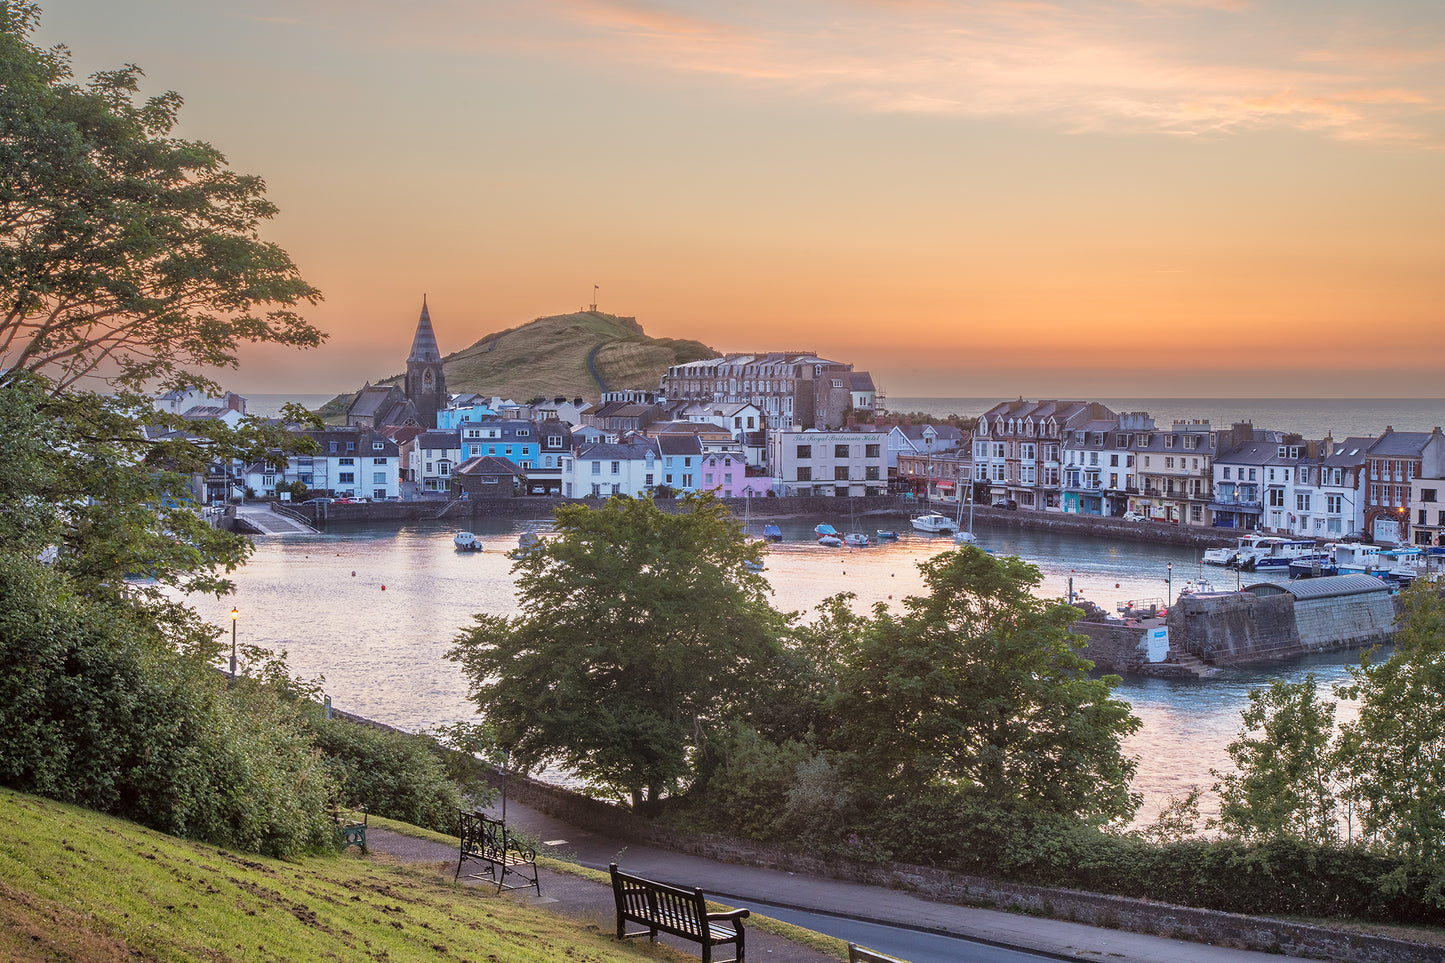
(726,473)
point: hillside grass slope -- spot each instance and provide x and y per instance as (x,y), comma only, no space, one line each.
(76,885)
(565,354)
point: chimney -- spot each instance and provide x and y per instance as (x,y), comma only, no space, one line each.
(852,421)
(908,421)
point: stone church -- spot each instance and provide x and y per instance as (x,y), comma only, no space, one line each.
(422,395)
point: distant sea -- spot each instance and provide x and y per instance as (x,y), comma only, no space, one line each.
(1311,417)
(269,406)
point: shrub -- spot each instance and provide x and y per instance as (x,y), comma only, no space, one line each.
(95,710)
(393,774)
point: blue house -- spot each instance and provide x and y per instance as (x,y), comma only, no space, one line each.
(502,438)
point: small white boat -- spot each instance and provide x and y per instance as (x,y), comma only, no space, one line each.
(933,523)
(855,539)
(832,541)
(887,534)
(964,538)
(467,542)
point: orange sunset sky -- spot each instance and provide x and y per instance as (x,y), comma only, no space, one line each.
(1136,198)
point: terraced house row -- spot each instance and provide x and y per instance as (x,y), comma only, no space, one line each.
(1083,458)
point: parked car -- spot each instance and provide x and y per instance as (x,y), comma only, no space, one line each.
(1011,505)
(1135,517)
(318,501)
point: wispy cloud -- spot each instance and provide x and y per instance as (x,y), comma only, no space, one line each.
(1196,67)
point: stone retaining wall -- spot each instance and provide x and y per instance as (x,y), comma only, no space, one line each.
(1113,648)
(540,507)
(1114,912)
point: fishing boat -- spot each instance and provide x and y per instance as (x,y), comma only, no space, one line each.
(933,523)
(772,533)
(824,529)
(1245,548)
(855,539)
(467,542)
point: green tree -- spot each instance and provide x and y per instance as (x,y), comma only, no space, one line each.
(641,633)
(1396,747)
(125,253)
(1284,778)
(977,690)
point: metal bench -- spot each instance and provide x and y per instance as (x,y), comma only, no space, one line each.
(486,839)
(350,828)
(670,909)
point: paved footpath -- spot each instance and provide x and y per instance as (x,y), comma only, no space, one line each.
(735,885)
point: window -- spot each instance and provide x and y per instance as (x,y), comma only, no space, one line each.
(872,451)
(1251,474)
(1169,462)
(805,451)
(378,461)
(616,467)
(378,478)
(597,468)
(1302,501)
(840,451)
(1427,494)
(871,473)
(378,446)
(840,472)
(351,446)
(333,447)
(1332,504)
(805,473)
(648,480)
(346,461)
(1276,498)
(346,478)
(1168,441)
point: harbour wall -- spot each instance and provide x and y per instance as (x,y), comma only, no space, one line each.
(790,506)
(1247,629)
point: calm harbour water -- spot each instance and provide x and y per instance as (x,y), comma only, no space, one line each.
(374,610)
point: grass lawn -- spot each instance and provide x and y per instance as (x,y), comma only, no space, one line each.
(75,885)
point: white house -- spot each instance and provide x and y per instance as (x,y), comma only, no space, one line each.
(603,469)
(811,462)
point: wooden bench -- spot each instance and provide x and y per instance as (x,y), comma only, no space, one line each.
(856,954)
(487,840)
(669,909)
(350,827)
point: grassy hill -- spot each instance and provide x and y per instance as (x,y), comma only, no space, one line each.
(79,886)
(564,354)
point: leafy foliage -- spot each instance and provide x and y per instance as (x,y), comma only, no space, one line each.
(125,252)
(1396,747)
(96,710)
(393,774)
(641,634)
(976,691)
(1284,779)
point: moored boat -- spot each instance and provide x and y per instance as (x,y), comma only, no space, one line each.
(855,539)
(933,523)
(832,541)
(823,529)
(467,542)
(887,534)
(772,533)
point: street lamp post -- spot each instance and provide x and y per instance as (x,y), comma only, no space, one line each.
(235,614)
(1169,574)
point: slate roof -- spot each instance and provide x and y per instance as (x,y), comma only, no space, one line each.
(424,345)
(1400,444)
(489,465)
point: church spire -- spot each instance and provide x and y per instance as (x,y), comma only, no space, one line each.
(424,346)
